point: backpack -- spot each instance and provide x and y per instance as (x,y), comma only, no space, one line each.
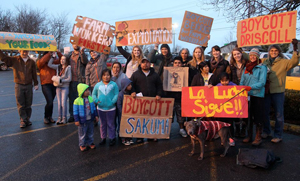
(256,158)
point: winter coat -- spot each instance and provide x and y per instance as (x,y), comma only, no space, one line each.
(124,83)
(79,111)
(150,85)
(24,72)
(46,73)
(222,66)
(81,64)
(256,80)
(94,68)
(278,70)
(105,98)
(198,80)
(66,77)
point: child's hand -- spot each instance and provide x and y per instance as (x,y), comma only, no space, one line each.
(210,86)
(77,123)
(97,119)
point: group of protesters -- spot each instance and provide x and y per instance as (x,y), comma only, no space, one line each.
(96,93)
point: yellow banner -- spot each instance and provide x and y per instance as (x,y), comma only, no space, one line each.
(24,41)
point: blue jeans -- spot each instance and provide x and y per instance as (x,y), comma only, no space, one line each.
(277,100)
(86,133)
(49,94)
(62,96)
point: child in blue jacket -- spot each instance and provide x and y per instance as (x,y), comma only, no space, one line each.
(105,95)
(84,111)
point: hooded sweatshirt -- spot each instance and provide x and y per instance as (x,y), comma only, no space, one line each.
(124,83)
(79,106)
(118,80)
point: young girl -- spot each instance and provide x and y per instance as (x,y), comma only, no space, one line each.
(105,95)
(62,90)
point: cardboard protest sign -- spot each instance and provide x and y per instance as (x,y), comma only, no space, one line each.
(144,32)
(24,41)
(265,30)
(195,28)
(145,117)
(218,101)
(92,34)
(175,78)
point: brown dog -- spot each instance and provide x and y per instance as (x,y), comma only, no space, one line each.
(203,130)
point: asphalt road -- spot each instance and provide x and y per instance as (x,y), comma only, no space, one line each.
(51,152)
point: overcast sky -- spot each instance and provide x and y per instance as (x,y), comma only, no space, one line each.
(111,11)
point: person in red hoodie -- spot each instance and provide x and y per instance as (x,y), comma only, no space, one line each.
(48,89)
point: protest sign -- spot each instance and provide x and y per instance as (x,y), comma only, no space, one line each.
(175,78)
(145,117)
(195,28)
(92,34)
(265,30)
(24,41)
(218,101)
(144,32)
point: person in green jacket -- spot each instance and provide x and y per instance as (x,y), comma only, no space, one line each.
(278,67)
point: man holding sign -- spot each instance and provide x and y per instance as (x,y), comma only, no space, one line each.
(24,75)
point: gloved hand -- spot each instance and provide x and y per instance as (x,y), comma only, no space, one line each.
(248,88)
(295,44)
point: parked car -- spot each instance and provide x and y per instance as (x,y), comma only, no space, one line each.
(3,66)
(293,78)
(111,60)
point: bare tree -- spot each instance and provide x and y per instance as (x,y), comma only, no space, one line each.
(6,21)
(60,28)
(28,20)
(242,9)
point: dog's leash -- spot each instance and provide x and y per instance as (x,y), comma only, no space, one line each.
(223,103)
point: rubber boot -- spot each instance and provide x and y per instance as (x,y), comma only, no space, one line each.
(250,133)
(258,139)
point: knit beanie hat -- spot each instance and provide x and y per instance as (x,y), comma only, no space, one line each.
(255,51)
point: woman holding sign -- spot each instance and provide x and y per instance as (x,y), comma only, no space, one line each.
(217,64)
(133,60)
(254,75)
(275,95)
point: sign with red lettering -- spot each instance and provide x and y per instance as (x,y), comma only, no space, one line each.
(145,117)
(92,34)
(195,28)
(144,32)
(218,101)
(265,30)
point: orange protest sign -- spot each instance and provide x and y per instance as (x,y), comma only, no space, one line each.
(195,28)
(144,32)
(145,117)
(218,101)
(265,30)
(24,41)
(92,34)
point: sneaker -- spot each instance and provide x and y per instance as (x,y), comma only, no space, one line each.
(112,142)
(276,140)
(231,142)
(28,123)
(22,124)
(182,133)
(102,142)
(58,120)
(51,120)
(123,141)
(127,143)
(131,141)
(82,148)
(265,135)
(71,119)
(92,146)
(46,121)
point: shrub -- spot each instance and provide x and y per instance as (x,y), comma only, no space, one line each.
(292,105)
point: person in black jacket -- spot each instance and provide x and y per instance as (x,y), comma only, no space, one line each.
(146,81)
(217,64)
(203,78)
(186,56)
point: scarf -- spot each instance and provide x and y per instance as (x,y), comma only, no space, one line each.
(250,66)
(214,64)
